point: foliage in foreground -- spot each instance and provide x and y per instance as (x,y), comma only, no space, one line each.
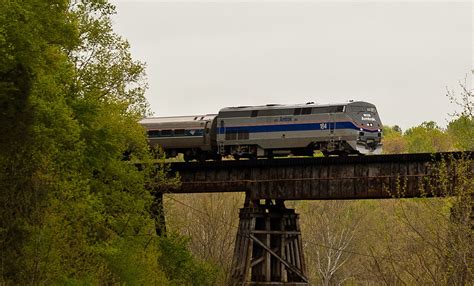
(72,210)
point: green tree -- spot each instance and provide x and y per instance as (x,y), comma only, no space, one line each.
(427,137)
(461,128)
(180,266)
(462,132)
(393,140)
(72,210)
(39,135)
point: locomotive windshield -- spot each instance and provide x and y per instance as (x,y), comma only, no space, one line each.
(365,114)
(361,108)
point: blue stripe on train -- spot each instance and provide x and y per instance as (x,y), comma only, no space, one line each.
(292,127)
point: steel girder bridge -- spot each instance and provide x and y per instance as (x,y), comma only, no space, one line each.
(268,249)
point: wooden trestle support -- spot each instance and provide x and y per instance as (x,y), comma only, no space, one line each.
(268,248)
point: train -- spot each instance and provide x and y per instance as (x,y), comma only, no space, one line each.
(268,131)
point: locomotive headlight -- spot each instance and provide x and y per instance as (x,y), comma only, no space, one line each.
(379,130)
(361,129)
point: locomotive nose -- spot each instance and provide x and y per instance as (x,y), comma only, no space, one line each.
(369,142)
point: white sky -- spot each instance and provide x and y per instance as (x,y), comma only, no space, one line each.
(202,56)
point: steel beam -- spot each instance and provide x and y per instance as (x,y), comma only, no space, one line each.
(357,177)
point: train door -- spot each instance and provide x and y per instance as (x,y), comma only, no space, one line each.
(332,125)
(221,137)
(206,133)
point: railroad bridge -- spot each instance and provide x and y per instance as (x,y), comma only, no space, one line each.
(268,248)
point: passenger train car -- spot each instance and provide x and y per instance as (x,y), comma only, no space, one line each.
(193,136)
(271,130)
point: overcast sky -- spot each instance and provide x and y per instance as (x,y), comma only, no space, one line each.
(202,56)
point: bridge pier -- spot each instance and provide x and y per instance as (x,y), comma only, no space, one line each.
(158,213)
(268,248)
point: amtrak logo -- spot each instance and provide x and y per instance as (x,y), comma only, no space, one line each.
(367,117)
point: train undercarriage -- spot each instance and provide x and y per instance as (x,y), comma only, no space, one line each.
(327,148)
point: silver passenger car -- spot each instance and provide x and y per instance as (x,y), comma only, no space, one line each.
(279,130)
(194,136)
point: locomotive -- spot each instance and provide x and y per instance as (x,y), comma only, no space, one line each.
(270,130)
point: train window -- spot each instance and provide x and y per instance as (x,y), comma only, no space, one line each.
(254,113)
(306,111)
(339,108)
(153,133)
(179,132)
(356,108)
(297,111)
(193,132)
(275,112)
(166,133)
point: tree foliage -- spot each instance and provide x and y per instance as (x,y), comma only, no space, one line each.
(331,229)
(393,141)
(462,132)
(210,221)
(72,210)
(429,137)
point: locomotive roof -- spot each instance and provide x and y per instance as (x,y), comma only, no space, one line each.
(285,106)
(168,119)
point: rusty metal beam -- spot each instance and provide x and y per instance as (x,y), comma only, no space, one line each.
(358,177)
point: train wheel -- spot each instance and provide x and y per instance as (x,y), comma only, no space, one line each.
(270,155)
(343,154)
(202,157)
